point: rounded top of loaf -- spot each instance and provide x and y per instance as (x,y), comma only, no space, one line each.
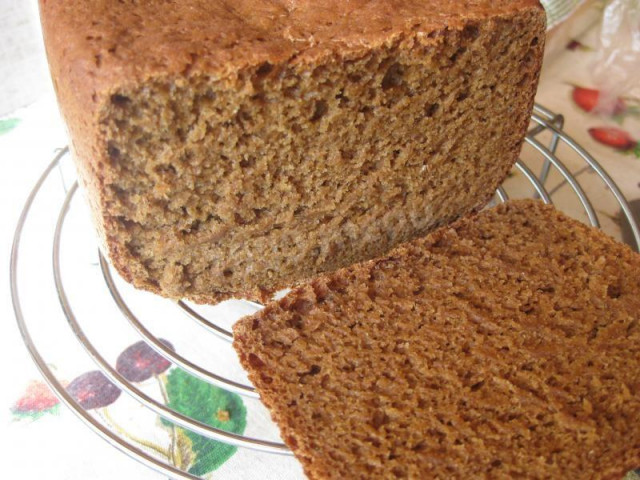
(112,42)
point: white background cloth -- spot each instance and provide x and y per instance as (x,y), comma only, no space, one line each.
(23,69)
(59,446)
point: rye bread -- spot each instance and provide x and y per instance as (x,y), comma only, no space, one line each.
(232,148)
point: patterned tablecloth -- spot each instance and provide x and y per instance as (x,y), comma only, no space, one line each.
(42,439)
(559,10)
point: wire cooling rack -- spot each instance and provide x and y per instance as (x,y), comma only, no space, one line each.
(550,152)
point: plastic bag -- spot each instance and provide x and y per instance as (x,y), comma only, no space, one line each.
(617,68)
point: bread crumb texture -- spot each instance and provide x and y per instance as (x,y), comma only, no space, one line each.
(506,346)
(235,148)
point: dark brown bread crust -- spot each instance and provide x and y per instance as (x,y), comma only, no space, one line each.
(505,346)
(156,93)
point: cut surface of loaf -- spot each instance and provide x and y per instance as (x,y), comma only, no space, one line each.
(506,346)
(237,147)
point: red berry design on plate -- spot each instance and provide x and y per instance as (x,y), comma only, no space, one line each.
(587,100)
(613,137)
(93,390)
(139,362)
(574,45)
(36,400)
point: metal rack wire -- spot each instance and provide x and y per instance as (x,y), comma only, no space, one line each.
(543,140)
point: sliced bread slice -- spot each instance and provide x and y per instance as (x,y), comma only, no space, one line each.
(505,346)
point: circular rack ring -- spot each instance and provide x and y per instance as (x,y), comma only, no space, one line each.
(544,121)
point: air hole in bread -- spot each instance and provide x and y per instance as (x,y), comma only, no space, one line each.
(399,472)
(347,154)
(113,151)
(120,100)
(457,54)
(477,386)
(393,77)
(165,169)
(295,321)
(319,110)
(264,69)
(471,32)
(613,291)
(431,109)
(462,96)
(248,162)
(239,219)
(255,361)
(302,306)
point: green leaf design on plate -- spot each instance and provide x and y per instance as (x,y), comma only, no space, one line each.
(8,124)
(211,405)
(182,452)
(35,414)
(633,475)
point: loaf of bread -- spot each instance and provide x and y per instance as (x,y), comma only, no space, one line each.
(506,346)
(235,147)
